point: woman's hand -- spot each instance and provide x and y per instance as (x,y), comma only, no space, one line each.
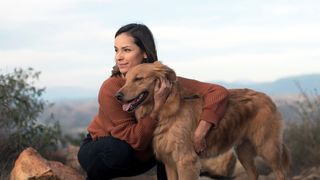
(200,136)
(161,92)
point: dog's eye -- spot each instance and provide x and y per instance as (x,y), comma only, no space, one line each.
(138,78)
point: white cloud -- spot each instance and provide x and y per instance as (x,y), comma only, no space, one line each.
(87,78)
(71,43)
(60,69)
(284,9)
(85,32)
(250,67)
(21,11)
(232,36)
(36,58)
(17,14)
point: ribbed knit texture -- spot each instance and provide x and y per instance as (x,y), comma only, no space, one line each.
(112,120)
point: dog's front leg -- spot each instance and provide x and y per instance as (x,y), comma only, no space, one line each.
(189,168)
(171,172)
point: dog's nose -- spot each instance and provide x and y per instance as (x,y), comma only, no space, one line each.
(119,96)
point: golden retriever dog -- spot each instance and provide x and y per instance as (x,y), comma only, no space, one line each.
(252,125)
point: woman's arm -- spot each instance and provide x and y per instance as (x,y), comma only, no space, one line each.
(215,99)
(124,125)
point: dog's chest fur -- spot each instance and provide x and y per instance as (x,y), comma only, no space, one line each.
(173,136)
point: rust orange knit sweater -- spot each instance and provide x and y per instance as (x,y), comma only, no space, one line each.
(112,120)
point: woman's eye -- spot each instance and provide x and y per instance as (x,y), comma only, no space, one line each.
(127,50)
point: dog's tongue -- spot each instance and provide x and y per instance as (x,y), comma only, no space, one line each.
(126,107)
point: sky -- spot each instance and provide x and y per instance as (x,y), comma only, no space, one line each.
(71,41)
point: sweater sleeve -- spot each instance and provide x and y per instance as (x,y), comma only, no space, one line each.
(215,98)
(125,127)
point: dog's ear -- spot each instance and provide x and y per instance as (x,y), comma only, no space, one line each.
(164,71)
(171,75)
(157,63)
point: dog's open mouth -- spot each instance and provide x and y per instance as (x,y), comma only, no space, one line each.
(134,103)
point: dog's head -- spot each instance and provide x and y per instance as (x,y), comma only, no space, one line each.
(140,83)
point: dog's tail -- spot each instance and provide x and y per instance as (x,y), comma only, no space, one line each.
(286,160)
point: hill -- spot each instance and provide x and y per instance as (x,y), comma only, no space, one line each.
(288,86)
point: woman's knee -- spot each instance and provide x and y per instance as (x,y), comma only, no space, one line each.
(84,157)
(116,153)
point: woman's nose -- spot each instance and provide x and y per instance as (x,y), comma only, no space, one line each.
(119,56)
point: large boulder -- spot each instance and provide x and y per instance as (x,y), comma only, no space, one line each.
(31,165)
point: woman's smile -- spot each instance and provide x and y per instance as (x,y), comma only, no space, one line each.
(122,66)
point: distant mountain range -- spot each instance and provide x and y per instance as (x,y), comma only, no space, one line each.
(283,87)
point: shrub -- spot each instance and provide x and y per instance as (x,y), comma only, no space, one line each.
(302,136)
(20,106)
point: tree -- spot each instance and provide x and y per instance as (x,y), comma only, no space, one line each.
(20,107)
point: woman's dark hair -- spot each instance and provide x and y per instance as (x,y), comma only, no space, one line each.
(143,38)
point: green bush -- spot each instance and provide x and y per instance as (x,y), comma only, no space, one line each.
(303,135)
(20,107)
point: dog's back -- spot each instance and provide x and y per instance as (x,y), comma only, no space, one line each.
(249,112)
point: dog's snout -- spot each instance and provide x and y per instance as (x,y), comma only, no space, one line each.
(119,96)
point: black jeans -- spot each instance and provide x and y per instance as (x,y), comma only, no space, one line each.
(110,157)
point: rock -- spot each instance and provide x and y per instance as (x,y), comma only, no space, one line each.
(68,156)
(309,174)
(264,171)
(31,165)
(64,172)
(72,158)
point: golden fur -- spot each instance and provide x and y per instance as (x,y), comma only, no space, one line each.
(221,166)
(252,126)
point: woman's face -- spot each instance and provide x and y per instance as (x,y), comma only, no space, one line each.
(128,54)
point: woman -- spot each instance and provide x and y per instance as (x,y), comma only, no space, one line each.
(117,144)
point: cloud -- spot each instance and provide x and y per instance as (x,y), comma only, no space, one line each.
(60,69)
(35,58)
(71,41)
(17,13)
(20,11)
(234,36)
(256,67)
(285,9)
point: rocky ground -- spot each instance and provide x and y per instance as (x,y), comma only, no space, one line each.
(31,165)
